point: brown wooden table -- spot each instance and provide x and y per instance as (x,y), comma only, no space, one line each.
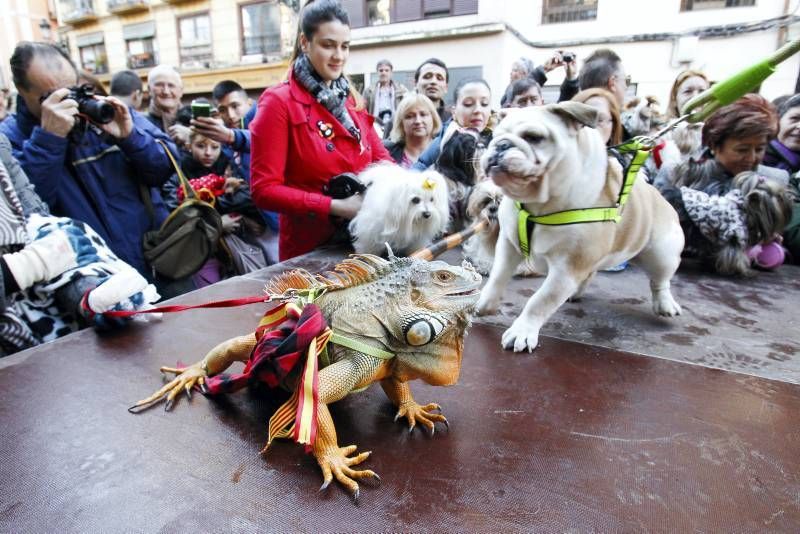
(573,438)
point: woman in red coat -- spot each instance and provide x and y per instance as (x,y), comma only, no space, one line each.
(308,130)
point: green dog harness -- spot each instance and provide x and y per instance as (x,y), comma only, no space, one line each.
(526,220)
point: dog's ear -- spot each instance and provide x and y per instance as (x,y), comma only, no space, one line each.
(575,114)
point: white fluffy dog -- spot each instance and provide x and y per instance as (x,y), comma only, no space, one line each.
(403,208)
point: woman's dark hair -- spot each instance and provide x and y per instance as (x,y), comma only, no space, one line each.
(750,116)
(314,14)
(467,81)
(519,87)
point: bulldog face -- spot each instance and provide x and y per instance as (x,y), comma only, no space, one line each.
(529,143)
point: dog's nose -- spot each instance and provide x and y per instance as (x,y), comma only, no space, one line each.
(426,214)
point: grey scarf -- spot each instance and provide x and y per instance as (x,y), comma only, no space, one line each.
(333,97)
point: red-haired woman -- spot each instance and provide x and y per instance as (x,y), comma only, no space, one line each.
(734,141)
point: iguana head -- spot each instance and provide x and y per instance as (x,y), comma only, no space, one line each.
(427,320)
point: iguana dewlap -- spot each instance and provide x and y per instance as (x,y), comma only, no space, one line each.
(415,310)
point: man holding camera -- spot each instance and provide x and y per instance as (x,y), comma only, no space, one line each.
(82,168)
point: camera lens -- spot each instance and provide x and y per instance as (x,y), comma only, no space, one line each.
(97,110)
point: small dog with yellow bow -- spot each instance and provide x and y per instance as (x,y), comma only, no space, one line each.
(406,209)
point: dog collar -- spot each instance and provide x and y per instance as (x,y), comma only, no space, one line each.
(526,220)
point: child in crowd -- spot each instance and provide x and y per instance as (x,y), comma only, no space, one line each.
(208,169)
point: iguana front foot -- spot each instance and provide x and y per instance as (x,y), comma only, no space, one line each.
(415,413)
(187,378)
(335,462)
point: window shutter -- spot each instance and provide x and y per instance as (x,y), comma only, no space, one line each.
(405,10)
(465,7)
(356,11)
(436,7)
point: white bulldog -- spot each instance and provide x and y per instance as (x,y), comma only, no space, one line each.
(549,161)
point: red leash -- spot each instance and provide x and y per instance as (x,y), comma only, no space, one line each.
(230,303)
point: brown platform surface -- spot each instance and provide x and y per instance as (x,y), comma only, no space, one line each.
(573,438)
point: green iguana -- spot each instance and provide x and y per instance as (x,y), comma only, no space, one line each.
(401,319)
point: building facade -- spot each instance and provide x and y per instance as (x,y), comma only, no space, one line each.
(250,40)
(656,39)
(24,20)
(207,40)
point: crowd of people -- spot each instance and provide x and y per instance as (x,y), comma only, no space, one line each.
(83,187)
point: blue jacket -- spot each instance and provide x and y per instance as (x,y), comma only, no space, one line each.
(96,180)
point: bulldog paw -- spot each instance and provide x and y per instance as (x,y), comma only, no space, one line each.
(487,305)
(520,337)
(664,305)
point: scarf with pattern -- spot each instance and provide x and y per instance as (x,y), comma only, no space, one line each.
(333,98)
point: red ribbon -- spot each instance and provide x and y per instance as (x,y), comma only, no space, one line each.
(230,303)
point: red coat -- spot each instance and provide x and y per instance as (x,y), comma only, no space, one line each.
(297,146)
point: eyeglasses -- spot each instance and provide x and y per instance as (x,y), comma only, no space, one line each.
(627,79)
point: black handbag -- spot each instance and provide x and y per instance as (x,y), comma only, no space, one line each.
(189,236)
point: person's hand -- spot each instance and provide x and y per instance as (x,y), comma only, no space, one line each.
(180,134)
(231,222)
(346,208)
(59,113)
(122,125)
(553,62)
(213,129)
(126,290)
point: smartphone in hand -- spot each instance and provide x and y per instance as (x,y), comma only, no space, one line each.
(200,109)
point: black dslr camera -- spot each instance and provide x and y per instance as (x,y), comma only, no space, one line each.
(97,111)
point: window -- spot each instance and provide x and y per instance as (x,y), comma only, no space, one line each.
(92,52)
(380,12)
(140,43)
(695,5)
(555,11)
(94,59)
(194,40)
(261,28)
(141,53)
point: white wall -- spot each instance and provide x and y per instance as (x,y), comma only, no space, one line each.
(649,63)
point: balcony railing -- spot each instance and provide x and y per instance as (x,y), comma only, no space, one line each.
(693,5)
(78,11)
(554,12)
(119,7)
(142,61)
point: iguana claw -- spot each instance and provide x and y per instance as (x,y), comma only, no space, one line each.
(185,380)
(336,462)
(414,413)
